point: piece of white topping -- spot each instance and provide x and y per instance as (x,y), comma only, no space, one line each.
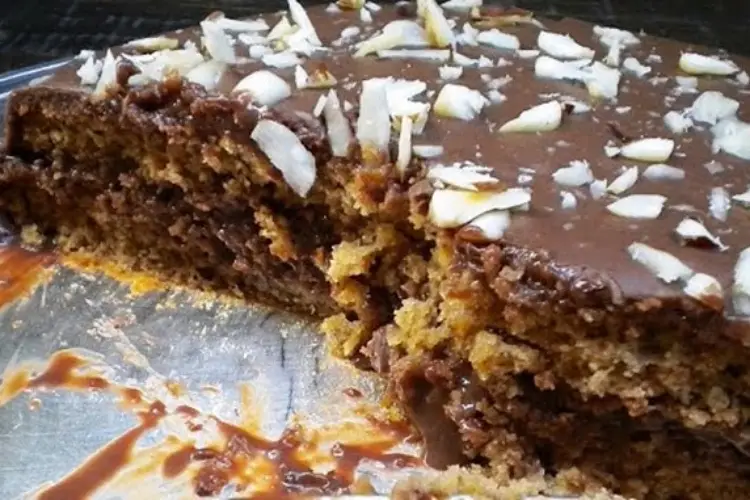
(712,106)
(741,285)
(301,19)
(663,265)
(332,8)
(251,38)
(660,171)
(613,55)
(541,118)
(154,43)
(638,206)
(264,87)
(321,78)
(238,25)
(374,121)
(287,153)
(568,200)
(733,137)
(365,16)
(319,105)
(459,101)
(461,5)
(742,78)
(468,177)
(337,126)
(492,225)
(693,232)
(632,65)
(743,198)
(450,208)
(687,84)
(349,32)
(281,60)
(157,65)
(427,150)
(562,46)
(549,67)
(496,97)
(404,145)
(598,188)
(650,149)
(499,40)
(258,51)
(677,122)
(373,7)
(601,80)
(218,44)
(624,181)
(395,34)
(698,64)
(438,29)
(719,203)
(207,73)
(450,72)
(89,71)
(527,53)
(282,29)
(714,167)
(615,36)
(577,173)
(705,289)
(437,55)
(85,54)
(108,74)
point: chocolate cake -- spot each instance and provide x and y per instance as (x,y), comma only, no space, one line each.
(537,230)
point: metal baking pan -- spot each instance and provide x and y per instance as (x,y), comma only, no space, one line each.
(239,363)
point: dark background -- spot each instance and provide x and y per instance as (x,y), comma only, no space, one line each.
(32,31)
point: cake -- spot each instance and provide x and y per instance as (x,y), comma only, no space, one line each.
(536,230)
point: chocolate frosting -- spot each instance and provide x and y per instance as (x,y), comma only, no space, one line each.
(587,237)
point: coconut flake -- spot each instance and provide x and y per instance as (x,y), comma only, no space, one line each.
(207,74)
(373,7)
(712,106)
(258,51)
(437,27)
(741,285)
(461,5)
(251,39)
(660,171)
(663,265)
(615,36)
(613,55)
(287,153)
(450,72)
(451,208)
(238,25)
(706,289)
(562,46)
(459,101)
(218,44)
(437,55)
(337,126)
(281,29)
(554,69)
(154,43)
(719,203)
(632,65)
(496,97)
(527,53)
(601,80)
(568,200)
(427,150)
(365,16)
(624,181)
(398,33)
(499,40)
(651,149)
(541,118)
(468,177)
(264,87)
(108,74)
(301,19)
(638,206)
(319,105)
(698,64)
(733,137)
(598,188)
(281,60)
(491,225)
(677,122)
(404,145)
(374,121)
(743,198)
(694,233)
(89,71)
(577,173)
